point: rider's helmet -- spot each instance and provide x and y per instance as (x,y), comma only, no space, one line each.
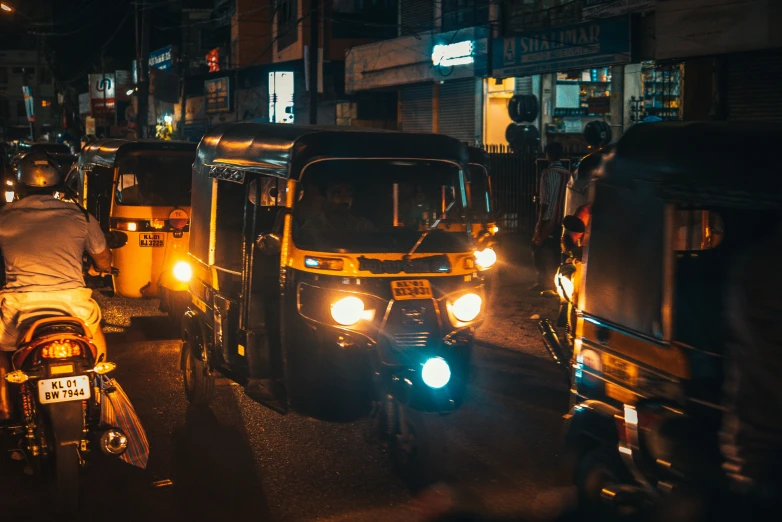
(36,171)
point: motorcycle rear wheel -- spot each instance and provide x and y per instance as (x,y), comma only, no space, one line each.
(66,479)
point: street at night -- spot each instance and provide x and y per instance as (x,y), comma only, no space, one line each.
(390,260)
(237,460)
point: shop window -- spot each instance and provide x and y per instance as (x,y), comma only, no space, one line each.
(660,98)
(46,103)
(459,14)
(581,96)
(287,23)
(376,19)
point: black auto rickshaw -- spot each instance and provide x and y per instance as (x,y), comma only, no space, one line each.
(672,207)
(319,267)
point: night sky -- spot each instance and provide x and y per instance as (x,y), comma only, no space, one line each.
(83,30)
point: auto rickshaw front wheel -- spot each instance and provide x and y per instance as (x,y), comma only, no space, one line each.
(199,383)
(417,447)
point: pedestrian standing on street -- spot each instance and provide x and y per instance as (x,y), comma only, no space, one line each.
(548,229)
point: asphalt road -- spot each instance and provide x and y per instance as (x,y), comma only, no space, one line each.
(239,461)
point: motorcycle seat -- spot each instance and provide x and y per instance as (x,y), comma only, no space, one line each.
(47,323)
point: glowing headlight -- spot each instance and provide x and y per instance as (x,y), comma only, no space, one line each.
(9,196)
(467,307)
(183,272)
(436,373)
(348,310)
(485,258)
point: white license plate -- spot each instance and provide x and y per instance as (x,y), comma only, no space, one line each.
(151,240)
(64,389)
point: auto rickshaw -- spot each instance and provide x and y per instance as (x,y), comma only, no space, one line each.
(316,272)
(142,188)
(672,207)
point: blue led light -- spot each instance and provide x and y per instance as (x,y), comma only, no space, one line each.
(310,262)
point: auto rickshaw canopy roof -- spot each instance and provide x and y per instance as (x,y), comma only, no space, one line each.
(104,153)
(283,150)
(701,162)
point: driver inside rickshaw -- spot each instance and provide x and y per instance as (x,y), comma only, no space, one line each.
(139,184)
(336,213)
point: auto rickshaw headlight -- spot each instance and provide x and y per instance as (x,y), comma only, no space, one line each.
(183,272)
(485,258)
(436,373)
(348,310)
(467,307)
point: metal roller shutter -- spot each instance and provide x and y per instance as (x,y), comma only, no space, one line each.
(417,16)
(523,85)
(417,107)
(456,109)
(753,86)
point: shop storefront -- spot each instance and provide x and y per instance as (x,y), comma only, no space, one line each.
(438,79)
(572,71)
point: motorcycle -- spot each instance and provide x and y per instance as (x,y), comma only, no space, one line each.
(56,384)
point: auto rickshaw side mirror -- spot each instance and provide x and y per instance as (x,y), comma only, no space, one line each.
(116,239)
(573,224)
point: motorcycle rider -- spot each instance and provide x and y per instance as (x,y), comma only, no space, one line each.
(43,240)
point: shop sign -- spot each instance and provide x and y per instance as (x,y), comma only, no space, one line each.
(581,46)
(89,124)
(217,95)
(161,58)
(29,105)
(607,8)
(448,55)
(102,93)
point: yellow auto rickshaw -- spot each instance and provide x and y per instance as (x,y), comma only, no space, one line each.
(319,269)
(141,188)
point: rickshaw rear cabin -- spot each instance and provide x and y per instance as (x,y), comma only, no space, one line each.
(142,189)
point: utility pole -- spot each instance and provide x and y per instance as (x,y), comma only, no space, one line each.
(314,41)
(184,63)
(143,76)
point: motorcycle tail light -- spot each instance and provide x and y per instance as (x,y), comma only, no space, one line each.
(61,350)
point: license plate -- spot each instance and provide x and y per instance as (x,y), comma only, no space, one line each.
(411,289)
(621,370)
(151,240)
(620,394)
(64,389)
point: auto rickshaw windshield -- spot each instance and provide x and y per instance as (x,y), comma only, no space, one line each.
(378,206)
(479,187)
(155,179)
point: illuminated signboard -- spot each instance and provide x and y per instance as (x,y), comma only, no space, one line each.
(448,55)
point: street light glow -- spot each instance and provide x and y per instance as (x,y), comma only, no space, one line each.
(6,7)
(129,92)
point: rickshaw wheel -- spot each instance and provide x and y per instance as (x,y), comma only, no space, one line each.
(417,451)
(199,385)
(598,468)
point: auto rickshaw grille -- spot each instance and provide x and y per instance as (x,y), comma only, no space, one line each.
(411,340)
